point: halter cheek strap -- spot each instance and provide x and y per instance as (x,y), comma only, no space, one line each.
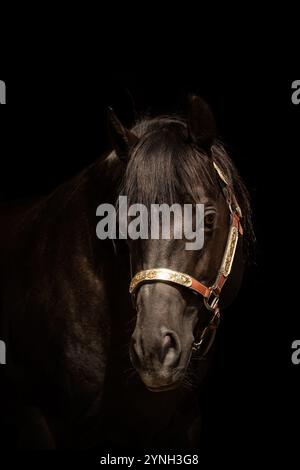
(210,294)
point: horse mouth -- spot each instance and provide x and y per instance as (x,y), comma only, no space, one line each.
(163,381)
(165,388)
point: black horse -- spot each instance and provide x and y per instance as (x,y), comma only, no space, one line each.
(66,314)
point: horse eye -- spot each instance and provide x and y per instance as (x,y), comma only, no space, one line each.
(209,219)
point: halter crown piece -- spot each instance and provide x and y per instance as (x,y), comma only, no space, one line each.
(211,294)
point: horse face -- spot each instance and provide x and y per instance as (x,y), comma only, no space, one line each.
(166,159)
(167,315)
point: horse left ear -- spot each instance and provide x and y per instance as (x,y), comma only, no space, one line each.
(122,139)
(201,123)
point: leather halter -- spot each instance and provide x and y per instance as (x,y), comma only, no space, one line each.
(211,294)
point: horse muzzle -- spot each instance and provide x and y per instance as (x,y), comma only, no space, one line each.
(157,359)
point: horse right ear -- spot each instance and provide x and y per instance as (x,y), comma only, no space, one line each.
(122,139)
(201,123)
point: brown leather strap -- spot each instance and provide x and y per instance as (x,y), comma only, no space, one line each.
(200,288)
(236,222)
(218,285)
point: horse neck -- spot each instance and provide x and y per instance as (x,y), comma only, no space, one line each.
(101,180)
(81,196)
(68,214)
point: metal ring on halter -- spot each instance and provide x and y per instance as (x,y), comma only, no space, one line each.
(212,326)
(197,346)
(211,304)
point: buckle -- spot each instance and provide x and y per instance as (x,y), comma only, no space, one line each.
(212,300)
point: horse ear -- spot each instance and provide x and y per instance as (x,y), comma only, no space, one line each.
(122,139)
(201,123)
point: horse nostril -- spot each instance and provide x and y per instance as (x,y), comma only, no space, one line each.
(134,353)
(171,349)
(168,342)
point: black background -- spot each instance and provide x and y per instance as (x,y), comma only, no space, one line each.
(54,125)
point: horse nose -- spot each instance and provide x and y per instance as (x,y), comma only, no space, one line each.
(164,348)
